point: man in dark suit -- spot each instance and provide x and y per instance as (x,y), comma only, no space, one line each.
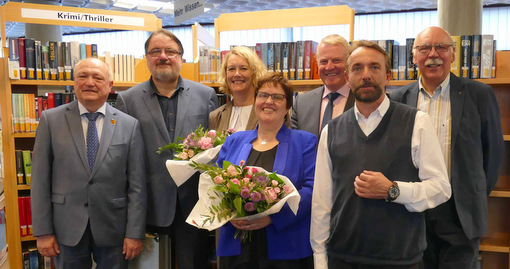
(310,109)
(467,120)
(88,189)
(169,107)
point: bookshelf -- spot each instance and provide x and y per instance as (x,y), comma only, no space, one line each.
(47,14)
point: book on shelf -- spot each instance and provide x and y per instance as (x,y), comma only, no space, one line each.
(292,60)
(27,166)
(476,47)
(88,50)
(54,61)
(83,51)
(394,62)
(93,50)
(22,216)
(30,57)
(22,59)
(45,55)
(487,55)
(13,60)
(456,65)
(38,60)
(75,54)
(465,56)
(20,172)
(68,61)
(61,59)
(410,66)
(284,56)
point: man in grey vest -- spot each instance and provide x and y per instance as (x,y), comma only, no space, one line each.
(379,166)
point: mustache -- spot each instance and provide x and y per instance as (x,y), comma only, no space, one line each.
(435,61)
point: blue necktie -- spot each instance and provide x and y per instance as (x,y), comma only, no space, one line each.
(92,139)
(328,112)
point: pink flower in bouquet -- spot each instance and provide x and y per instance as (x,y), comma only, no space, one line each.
(241,163)
(236,181)
(191,153)
(246,180)
(183,155)
(249,207)
(277,190)
(212,134)
(205,143)
(287,189)
(271,193)
(256,196)
(274,183)
(231,171)
(245,193)
(218,180)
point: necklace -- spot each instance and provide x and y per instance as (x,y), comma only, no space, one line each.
(265,141)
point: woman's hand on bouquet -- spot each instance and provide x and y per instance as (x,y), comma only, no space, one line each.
(250,225)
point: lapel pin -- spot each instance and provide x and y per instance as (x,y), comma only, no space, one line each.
(113,122)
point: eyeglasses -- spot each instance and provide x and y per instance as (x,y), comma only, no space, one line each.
(170,53)
(426,48)
(276,97)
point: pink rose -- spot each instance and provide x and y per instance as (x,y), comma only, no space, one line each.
(191,153)
(236,181)
(183,155)
(287,189)
(232,171)
(218,180)
(242,162)
(246,180)
(212,134)
(274,183)
(205,143)
(277,190)
(254,170)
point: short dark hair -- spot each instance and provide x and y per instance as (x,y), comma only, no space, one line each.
(275,79)
(371,45)
(167,33)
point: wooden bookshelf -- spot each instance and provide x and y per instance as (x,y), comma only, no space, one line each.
(28,13)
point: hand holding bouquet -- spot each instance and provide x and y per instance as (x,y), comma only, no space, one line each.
(240,192)
(201,146)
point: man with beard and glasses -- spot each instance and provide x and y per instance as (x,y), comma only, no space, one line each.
(379,166)
(466,116)
(169,107)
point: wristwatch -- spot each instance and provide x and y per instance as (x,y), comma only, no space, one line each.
(393,192)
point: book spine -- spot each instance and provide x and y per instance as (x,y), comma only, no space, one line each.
(410,66)
(53,52)
(22,59)
(22,217)
(456,65)
(14,72)
(465,45)
(394,62)
(487,56)
(308,60)
(20,172)
(61,59)
(38,60)
(476,56)
(27,166)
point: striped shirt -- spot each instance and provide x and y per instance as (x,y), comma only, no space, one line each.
(438,106)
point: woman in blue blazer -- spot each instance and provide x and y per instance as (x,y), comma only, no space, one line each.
(281,240)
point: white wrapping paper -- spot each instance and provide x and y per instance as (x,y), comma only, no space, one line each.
(196,217)
(180,169)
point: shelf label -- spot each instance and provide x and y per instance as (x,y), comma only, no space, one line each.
(187,9)
(81,17)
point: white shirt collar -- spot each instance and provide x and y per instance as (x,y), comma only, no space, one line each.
(83,110)
(380,111)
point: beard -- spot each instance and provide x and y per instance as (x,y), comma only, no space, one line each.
(368,98)
(165,75)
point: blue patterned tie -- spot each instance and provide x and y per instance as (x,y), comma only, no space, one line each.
(328,112)
(92,139)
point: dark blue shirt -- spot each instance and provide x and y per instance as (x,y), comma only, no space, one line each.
(169,107)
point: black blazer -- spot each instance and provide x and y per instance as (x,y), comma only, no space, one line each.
(477,147)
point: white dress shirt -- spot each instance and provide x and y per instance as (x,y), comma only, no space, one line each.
(433,189)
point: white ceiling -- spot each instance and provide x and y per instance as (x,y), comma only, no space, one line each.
(218,7)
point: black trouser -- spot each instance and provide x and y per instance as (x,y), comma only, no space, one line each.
(447,244)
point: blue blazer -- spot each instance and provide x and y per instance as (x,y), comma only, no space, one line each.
(477,147)
(288,236)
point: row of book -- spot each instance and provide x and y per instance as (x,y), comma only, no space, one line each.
(23,166)
(32,259)
(30,59)
(122,66)
(475,57)
(27,108)
(295,60)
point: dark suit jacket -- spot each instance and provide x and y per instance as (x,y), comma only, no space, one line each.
(476,147)
(66,195)
(306,111)
(220,118)
(195,102)
(288,236)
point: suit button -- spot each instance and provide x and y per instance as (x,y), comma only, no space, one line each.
(86,204)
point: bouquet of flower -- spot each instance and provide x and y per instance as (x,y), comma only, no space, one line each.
(201,146)
(196,142)
(241,192)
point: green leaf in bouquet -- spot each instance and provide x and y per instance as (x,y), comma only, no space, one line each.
(170,146)
(273,176)
(238,203)
(234,188)
(226,164)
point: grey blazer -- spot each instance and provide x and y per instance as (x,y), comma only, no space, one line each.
(306,111)
(477,147)
(195,102)
(66,195)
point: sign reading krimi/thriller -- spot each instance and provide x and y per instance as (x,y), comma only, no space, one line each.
(187,9)
(80,17)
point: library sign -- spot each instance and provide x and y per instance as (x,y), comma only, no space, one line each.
(81,17)
(187,9)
